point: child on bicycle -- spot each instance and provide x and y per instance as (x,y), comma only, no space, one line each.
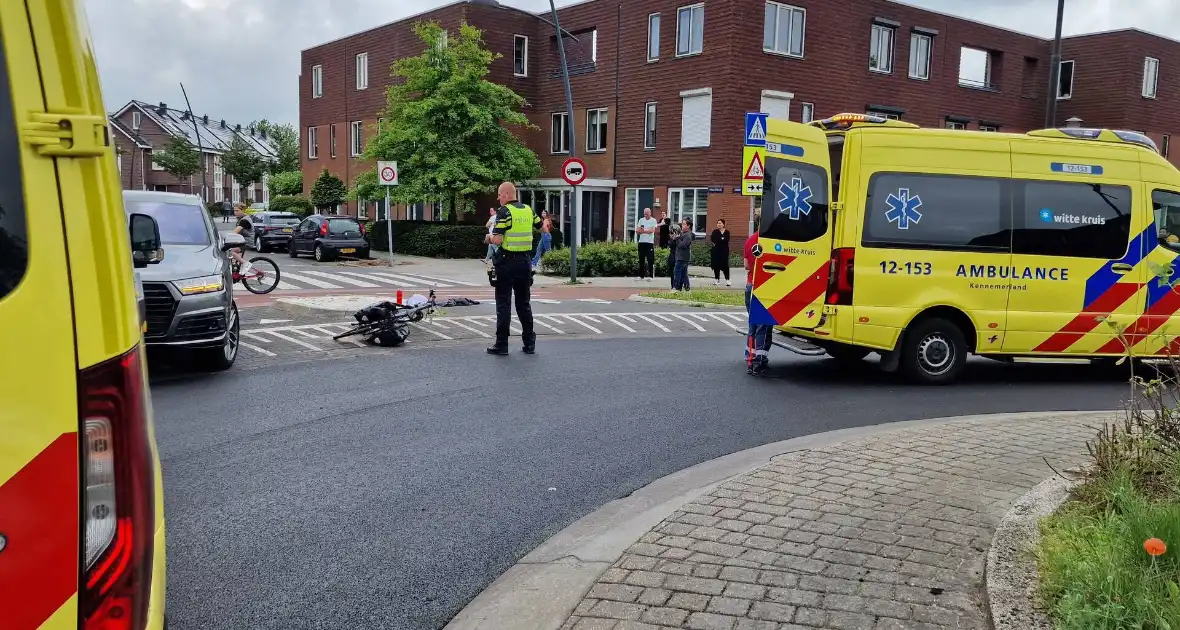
(243,224)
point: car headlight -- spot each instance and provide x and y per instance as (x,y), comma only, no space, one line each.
(197,286)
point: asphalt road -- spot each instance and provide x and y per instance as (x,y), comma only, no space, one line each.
(386,491)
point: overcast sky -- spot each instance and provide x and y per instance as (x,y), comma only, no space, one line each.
(239,59)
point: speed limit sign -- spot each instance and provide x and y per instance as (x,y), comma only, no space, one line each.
(387,173)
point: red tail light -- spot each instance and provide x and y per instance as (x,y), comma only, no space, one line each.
(324,228)
(119,497)
(840,276)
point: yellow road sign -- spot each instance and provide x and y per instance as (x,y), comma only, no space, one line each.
(753,170)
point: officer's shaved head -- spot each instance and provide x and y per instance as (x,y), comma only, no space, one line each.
(506,193)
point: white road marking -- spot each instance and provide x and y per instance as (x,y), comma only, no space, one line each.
(437,323)
(272,321)
(477,319)
(718,318)
(304,333)
(699,317)
(255,336)
(398,281)
(340,278)
(426,281)
(547,301)
(287,286)
(589,317)
(458,282)
(538,320)
(433,332)
(688,321)
(626,317)
(312,281)
(594,300)
(372,276)
(663,316)
(267,353)
(466,327)
(619,324)
(737,317)
(653,322)
(295,341)
(582,323)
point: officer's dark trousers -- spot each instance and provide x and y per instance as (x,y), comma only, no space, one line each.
(513,275)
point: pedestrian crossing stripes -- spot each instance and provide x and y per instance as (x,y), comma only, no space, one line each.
(276,340)
(302,279)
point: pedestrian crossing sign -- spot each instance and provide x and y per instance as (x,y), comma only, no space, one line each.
(755,129)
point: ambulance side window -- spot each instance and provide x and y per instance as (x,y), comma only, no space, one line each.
(1072,219)
(941,212)
(1167,218)
(794,201)
(14,241)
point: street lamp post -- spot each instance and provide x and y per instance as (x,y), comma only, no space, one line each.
(200,148)
(569,108)
(1054,71)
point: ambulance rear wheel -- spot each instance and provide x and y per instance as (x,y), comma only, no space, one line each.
(934,352)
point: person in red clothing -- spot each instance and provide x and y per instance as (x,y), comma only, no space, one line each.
(758,336)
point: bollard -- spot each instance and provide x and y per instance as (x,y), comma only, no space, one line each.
(399,296)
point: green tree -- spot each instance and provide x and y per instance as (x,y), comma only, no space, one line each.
(285,139)
(180,159)
(243,163)
(285,183)
(448,127)
(328,191)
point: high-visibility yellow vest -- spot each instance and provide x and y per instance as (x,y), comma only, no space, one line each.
(519,237)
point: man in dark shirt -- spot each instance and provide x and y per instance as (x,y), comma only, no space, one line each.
(665,240)
(512,233)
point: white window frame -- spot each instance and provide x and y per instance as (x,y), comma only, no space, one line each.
(770,97)
(156,167)
(1164,145)
(362,209)
(601,120)
(1151,77)
(313,148)
(443,38)
(317,81)
(676,209)
(1072,76)
(692,10)
(235,191)
(332,140)
(362,71)
(594,46)
(265,188)
(631,212)
(885,115)
(776,47)
(136,120)
(684,96)
(559,130)
(653,37)
(958,126)
(922,72)
(650,120)
(806,112)
(989,128)
(524,62)
(356,138)
(878,31)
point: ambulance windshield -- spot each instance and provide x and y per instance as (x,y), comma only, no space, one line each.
(1167,218)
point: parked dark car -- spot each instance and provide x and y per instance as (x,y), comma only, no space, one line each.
(329,236)
(270,229)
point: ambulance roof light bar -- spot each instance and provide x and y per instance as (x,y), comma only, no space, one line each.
(1100,135)
(846,121)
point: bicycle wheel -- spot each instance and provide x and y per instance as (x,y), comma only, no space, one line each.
(264,276)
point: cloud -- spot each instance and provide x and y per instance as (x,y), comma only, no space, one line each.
(239,59)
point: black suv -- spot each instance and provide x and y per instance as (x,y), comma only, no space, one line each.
(329,236)
(270,229)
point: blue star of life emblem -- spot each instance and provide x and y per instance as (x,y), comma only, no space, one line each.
(1046,216)
(793,199)
(903,209)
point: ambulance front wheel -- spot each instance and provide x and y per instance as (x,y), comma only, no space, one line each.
(934,352)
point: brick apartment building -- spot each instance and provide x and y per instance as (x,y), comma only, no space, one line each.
(660,90)
(140,128)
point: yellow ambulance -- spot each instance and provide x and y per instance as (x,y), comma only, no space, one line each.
(927,245)
(81,512)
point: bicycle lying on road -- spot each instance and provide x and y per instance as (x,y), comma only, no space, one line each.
(263,276)
(388,323)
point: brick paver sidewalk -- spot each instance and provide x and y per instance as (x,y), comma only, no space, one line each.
(888,532)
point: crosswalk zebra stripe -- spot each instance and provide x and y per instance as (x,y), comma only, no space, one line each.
(340,278)
(618,323)
(470,328)
(653,322)
(538,320)
(255,348)
(582,323)
(375,277)
(425,282)
(294,341)
(688,321)
(452,281)
(312,281)
(286,286)
(434,332)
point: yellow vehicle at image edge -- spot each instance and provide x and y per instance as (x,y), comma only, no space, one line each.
(926,245)
(81,513)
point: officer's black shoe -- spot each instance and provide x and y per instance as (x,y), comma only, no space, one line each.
(761,369)
(498,351)
(529,349)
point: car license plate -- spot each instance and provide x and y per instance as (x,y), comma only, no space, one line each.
(286,230)
(348,250)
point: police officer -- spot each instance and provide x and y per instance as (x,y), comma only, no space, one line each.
(512,262)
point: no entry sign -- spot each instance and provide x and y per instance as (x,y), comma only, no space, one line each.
(387,173)
(573,171)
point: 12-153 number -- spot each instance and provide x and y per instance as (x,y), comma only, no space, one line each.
(907,268)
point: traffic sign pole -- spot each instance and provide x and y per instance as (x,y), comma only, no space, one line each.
(569,115)
(387,177)
(389,226)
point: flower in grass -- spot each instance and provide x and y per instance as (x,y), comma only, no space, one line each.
(1155,547)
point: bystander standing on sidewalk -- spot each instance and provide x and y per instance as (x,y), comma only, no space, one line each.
(546,238)
(645,234)
(682,246)
(758,337)
(666,243)
(719,255)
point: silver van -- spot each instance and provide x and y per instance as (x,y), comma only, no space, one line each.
(188,295)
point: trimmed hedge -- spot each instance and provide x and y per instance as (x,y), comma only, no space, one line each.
(436,240)
(621,259)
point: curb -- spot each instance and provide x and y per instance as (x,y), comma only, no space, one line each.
(544,587)
(651,300)
(1011,572)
